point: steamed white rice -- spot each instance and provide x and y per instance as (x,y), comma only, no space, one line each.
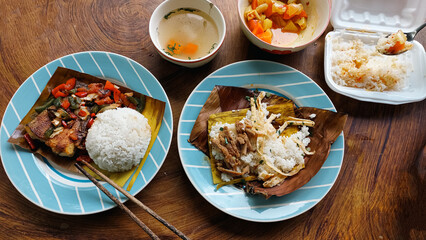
(118,139)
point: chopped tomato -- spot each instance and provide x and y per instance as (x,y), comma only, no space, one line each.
(64,124)
(81,89)
(65,103)
(84,157)
(81,94)
(124,99)
(93,114)
(109,86)
(70,84)
(132,106)
(117,95)
(57,91)
(103,101)
(95,87)
(82,113)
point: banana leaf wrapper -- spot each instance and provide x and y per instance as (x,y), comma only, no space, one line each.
(285,109)
(222,99)
(153,111)
(328,126)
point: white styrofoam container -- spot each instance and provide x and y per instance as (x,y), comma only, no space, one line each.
(367,20)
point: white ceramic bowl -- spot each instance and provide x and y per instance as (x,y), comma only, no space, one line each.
(318,17)
(203,5)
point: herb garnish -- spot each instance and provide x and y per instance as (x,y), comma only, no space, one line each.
(226,140)
(213,46)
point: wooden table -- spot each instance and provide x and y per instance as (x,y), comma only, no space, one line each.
(380,191)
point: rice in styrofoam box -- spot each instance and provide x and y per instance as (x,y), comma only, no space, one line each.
(118,139)
(355,64)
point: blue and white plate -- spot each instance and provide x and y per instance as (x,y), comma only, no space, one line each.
(279,79)
(53,188)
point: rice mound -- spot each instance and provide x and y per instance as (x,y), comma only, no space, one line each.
(118,139)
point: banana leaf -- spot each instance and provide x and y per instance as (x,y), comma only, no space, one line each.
(153,111)
(223,99)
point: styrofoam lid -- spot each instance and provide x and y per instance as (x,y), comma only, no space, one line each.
(378,15)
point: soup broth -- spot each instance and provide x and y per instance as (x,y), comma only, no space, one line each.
(187,34)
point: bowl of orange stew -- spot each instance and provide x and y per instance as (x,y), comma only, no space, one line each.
(283,27)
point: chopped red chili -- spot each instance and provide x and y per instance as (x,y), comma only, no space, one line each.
(84,157)
(90,122)
(30,141)
(93,114)
(64,124)
(72,115)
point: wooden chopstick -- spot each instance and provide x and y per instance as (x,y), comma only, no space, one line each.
(132,198)
(120,205)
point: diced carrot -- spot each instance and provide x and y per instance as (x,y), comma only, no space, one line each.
(254,4)
(258,29)
(190,49)
(396,48)
(303,14)
(266,36)
(252,24)
(174,47)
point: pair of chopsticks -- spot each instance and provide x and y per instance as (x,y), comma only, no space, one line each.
(133,199)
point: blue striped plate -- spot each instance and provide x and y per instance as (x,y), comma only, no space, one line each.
(279,79)
(60,191)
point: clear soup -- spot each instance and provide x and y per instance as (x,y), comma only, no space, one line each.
(187,34)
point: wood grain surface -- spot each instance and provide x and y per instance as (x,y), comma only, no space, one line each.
(379,193)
